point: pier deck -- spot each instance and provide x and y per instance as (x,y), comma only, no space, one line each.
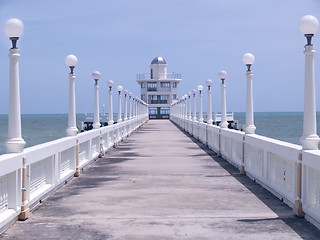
(161,184)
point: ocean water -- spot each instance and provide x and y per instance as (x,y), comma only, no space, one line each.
(40,128)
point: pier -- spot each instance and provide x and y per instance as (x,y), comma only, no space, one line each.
(160,183)
(186,176)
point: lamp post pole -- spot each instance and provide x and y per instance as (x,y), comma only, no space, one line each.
(309,140)
(189,104)
(186,106)
(224,123)
(15,143)
(209,112)
(130,105)
(72,130)
(248,59)
(119,88)
(194,105)
(110,122)
(96,121)
(125,105)
(200,88)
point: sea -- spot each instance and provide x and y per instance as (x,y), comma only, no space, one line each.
(41,128)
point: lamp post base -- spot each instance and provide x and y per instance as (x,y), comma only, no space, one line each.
(72,131)
(250,129)
(96,125)
(111,122)
(310,142)
(209,122)
(15,145)
(224,124)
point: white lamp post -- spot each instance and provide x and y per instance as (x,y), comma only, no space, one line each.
(72,130)
(248,60)
(125,105)
(309,26)
(224,123)
(130,105)
(200,88)
(110,122)
(209,112)
(96,121)
(189,104)
(194,105)
(186,106)
(119,88)
(15,143)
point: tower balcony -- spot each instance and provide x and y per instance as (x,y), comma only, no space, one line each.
(159,76)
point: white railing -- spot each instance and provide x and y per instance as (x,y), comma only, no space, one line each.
(290,173)
(50,164)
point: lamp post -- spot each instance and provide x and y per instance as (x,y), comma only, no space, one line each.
(110,122)
(224,123)
(209,113)
(248,60)
(309,26)
(200,88)
(72,130)
(125,105)
(186,106)
(194,105)
(15,143)
(119,88)
(130,105)
(96,121)
(189,104)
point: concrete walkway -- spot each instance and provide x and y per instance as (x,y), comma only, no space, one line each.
(161,184)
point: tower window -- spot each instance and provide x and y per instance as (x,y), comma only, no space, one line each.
(143,85)
(165,84)
(174,84)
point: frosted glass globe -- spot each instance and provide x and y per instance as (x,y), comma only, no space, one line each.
(13,28)
(248,59)
(222,74)
(96,75)
(309,24)
(209,82)
(194,91)
(200,87)
(119,88)
(71,60)
(126,92)
(110,83)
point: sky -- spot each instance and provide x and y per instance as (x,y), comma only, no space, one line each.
(197,38)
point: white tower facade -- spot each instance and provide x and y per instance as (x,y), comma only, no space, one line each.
(159,89)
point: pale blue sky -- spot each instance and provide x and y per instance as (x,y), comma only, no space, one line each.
(197,38)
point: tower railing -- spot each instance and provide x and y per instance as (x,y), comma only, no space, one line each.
(167,76)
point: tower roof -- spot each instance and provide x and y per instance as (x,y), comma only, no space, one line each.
(158,60)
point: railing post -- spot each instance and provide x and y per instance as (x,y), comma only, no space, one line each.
(77,172)
(25,211)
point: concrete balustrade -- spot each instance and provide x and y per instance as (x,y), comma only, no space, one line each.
(272,163)
(51,164)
